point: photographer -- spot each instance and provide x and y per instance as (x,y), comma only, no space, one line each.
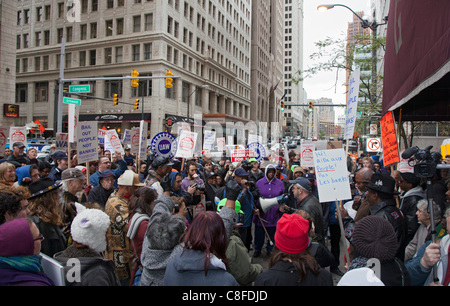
(193,180)
(246,200)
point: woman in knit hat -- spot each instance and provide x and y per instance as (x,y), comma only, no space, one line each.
(375,242)
(291,263)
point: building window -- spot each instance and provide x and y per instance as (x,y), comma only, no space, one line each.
(83,32)
(148,22)
(82,59)
(92,57)
(136,24)
(136,52)
(109,27)
(41,92)
(119,54)
(148,51)
(108,55)
(113,87)
(93,30)
(22,93)
(119,26)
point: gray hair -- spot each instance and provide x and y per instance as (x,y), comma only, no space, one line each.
(422,205)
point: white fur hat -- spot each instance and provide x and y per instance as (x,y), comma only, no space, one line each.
(89,227)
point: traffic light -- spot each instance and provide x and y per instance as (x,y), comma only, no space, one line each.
(282,106)
(136,103)
(134,82)
(310,109)
(169,80)
(115,102)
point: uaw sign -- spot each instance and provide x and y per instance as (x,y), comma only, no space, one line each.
(164,144)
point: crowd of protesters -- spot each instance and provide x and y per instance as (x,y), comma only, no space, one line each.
(199,221)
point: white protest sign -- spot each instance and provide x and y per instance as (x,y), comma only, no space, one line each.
(74,111)
(114,141)
(230,140)
(143,127)
(4,134)
(331,175)
(87,142)
(126,138)
(307,154)
(17,134)
(252,138)
(61,141)
(221,143)
(186,144)
(135,140)
(208,142)
(352,103)
(101,136)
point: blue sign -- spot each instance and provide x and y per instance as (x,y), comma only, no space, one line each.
(259,150)
(164,144)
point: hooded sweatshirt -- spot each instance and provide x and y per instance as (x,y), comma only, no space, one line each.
(269,189)
(22,172)
(18,264)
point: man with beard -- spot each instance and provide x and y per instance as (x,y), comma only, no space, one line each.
(17,158)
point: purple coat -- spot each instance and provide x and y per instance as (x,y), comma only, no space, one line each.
(269,190)
(16,241)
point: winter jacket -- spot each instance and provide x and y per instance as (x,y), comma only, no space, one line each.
(95,178)
(188,269)
(269,189)
(392,272)
(284,273)
(54,241)
(408,206)
(100,195)
(311,205)
(94,270)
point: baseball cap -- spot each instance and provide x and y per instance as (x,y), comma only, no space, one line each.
(251,160)
(59,155)
(304,182)
(240,172)
(129,178)
(19,144)
(72,173)
(106,173)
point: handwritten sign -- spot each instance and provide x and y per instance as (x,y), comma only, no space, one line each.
(87,142)
(331,175)
(389,140)
(352,103)
(307,154)
(209,138)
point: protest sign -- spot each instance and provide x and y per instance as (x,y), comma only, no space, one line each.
(74,111)
(221,144)
(114,141)
(87,142)
(352,103)
(241,154)
(164,144)
(143,128)
(135,140)
(208,142)
(331,175)
(389,140)
(17,134)
(186,144)
(4,134)
(126,138)
(259,151)
(101,136)
(307,154)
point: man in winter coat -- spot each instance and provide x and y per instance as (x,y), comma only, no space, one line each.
(269,187)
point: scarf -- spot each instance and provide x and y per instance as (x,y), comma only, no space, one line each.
(27,263)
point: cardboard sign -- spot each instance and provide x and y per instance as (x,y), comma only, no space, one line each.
(242,154)
(307,154)
(87,142)
(389,140)
(114,140)
(331,175)
(17,134)
(74,111)
(352,103)
(186,144)
(208,142)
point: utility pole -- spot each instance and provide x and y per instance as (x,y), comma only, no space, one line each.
(61,86)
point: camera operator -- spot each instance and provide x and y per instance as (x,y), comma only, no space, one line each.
(193,180)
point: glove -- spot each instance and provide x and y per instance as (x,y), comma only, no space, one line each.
(165,183)
(232,189)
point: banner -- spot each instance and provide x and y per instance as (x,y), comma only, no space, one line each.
(332,175)
(389,140)
(241,154)
(87,142)
(352,103)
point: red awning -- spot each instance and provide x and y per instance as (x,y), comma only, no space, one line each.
(417,60)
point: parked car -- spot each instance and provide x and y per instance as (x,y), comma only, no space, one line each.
(292,144)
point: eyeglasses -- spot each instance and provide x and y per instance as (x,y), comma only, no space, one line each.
(39,238)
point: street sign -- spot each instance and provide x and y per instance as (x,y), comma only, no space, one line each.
(72,101)
(373,145)
(80,88)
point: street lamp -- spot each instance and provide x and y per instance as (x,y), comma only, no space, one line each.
(189,99)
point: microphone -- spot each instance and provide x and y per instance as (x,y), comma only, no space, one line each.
(409,152)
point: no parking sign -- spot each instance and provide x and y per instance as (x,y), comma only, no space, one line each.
(373,145)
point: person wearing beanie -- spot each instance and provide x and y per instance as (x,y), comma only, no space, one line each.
(291,263)
(375,241)
(88,230)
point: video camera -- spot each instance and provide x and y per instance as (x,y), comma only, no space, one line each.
(426,162)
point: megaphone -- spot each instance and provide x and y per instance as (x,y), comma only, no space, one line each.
(266,204)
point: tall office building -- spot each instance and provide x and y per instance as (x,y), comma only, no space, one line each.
(293,62)
(206,44)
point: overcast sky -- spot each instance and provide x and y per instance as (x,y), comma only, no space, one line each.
(318,26)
